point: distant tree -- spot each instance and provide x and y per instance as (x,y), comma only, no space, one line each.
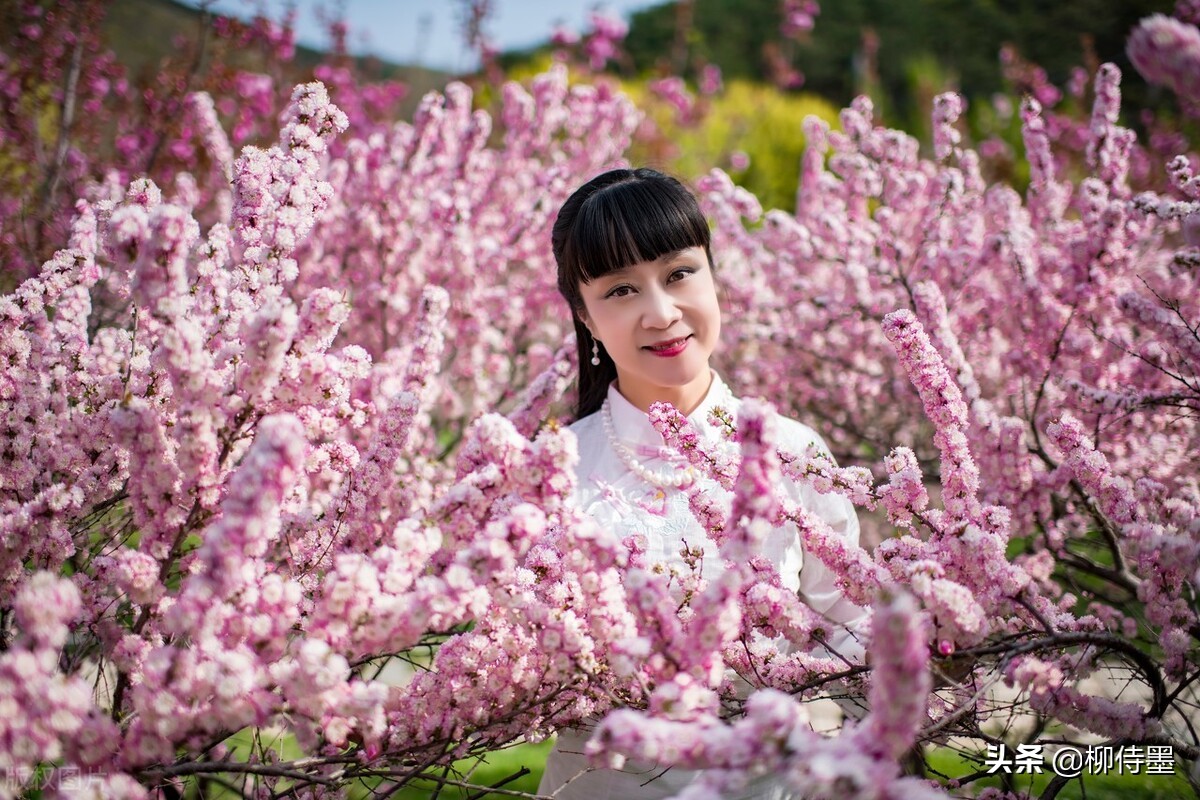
(963,37)
(729,33)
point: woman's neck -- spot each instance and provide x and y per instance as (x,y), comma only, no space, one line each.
(686,398)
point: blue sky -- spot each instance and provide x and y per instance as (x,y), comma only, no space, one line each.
(428,31)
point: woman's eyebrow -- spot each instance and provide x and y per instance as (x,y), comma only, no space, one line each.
(671,256)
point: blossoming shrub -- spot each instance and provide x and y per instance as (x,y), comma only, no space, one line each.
(1049,346)
(276,465)
(74,115)
(207,497)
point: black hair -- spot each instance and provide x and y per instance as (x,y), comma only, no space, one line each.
(615,220)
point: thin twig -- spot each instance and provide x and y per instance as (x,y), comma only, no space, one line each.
(66,122)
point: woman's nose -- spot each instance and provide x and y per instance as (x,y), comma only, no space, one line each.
(661,310)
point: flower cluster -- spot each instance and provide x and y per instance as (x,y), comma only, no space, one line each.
(46,708)
(799,17)
(1033,356)
(117,124)
(773,745)
(251,507)
(603,43)
(1167,51)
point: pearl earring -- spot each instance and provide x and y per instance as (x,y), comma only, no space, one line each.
(595,353)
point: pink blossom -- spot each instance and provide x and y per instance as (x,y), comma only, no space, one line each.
(1109,145)
(44,608)
(1191,229)
(798,17)
(958,618)
(900,678)
(216,143)
(943,404)
(543,390)
(601,45)
(1167,51)
(1173,330)
(280,440)
(564,36)
(1187,11)
(138,576)
(947,108)
(675,93)
(1049,693)
(710,79)
(905,493)
(1091,469)
(47,707)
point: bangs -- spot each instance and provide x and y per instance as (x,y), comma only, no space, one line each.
(631,222)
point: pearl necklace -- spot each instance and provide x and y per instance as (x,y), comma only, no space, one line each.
(678,478)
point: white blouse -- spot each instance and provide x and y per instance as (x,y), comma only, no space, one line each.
(622,501)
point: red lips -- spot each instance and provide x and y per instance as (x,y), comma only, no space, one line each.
(669,347)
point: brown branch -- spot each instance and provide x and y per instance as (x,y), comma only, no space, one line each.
(1123,580)
(958,713)
(1141,660)
(1028,606)
(495,787)
(290,769)
(408,776)
(65,123)
(1054,787)
(192,72)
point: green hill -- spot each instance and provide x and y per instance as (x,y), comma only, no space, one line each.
(144,32)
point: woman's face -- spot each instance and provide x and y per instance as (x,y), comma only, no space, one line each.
(659,321)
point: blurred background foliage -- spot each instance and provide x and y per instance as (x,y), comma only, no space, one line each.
(901,53)
(884,47)
(750,129)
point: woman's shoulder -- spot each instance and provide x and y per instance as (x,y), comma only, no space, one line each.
(796,433)
(795,436)
(587,426)
(790,434)
(589,436)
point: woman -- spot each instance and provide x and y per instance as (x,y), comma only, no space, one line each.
(635,265)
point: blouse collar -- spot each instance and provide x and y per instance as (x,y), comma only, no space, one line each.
(633,425)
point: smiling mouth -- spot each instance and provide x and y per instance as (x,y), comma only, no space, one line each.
(667,345)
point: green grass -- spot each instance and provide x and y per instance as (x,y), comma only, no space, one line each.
(489,771)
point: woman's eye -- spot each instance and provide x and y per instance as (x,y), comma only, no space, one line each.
(680,274)
(619,291)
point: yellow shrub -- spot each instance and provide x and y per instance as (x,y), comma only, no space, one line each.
(757,120)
